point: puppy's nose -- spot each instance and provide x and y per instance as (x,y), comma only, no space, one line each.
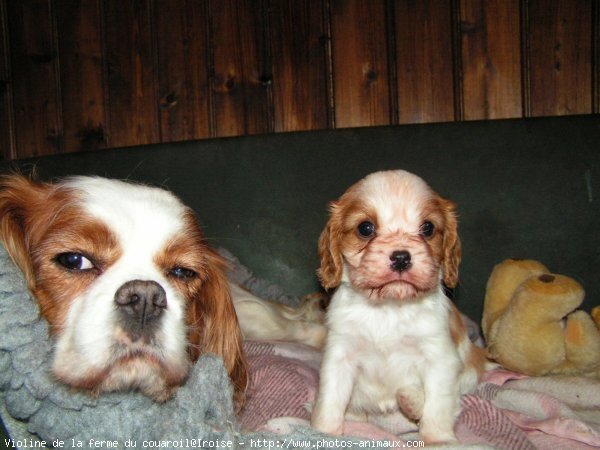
(400,260)
(141,303)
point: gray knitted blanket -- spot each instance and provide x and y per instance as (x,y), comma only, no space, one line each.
(34,407)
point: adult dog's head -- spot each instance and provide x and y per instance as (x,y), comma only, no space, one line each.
(121,273)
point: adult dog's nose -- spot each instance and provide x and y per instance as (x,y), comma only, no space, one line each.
(141,303)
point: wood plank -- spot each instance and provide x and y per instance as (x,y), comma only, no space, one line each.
(7,144)
(181,33)
(491,59)
(132,113)
(298,40)
(36,89)
(560,56)
(242,79)
(424,63)
(596,58)
(81,74)
(360,63)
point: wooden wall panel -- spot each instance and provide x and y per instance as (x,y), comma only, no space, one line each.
(298,41)
(491,61)
(559,56)
(360,63)
(182,65)
(596,57)
(131,79)
(91,74)
(242,78)
(81,74)
(424,60)
(7,145)
(36,85)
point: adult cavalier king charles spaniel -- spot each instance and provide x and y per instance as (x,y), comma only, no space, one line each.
(131,292)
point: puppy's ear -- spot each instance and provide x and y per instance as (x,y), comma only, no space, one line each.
(213,324)
(452,248)
(330,252)
(19,198)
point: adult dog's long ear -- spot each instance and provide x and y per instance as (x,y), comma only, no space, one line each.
(452,247)
(330,253)
(213,324)
(19,198)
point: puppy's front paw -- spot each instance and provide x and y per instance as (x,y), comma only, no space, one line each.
(326,423)
(436,435)
(411,401)
(335,429)
(439,440)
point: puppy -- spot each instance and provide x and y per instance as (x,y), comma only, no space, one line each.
(122,274)
(395,341)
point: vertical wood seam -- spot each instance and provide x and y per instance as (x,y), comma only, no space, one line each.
(105,74)
(267,64)
(60,132)
(457,68)
(392,63)
(525,58)
(596,56)
(242,84)
(12,150)
(210,58)
(329,66)
(187,77)
(192,112)
(155,57)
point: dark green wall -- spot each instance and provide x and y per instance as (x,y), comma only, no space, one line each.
(524,188)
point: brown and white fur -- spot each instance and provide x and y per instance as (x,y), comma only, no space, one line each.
(395,342)
(265,320)
(131,292)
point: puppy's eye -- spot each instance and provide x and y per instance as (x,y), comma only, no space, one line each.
(366,229)
(74,261)
(182,273)
(427,229)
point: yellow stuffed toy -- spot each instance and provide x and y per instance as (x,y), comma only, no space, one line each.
(530,324)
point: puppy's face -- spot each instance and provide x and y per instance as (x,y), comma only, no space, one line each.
(122,275)
(392,236)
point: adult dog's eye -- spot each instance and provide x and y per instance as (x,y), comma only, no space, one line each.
(366,229)
(427,229)
(74,261)
(182,273)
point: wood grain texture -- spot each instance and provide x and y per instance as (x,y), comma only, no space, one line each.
(560,56)
(424,65)
(360,63)
(596,58)
(91,74)
(36,85)
(491,59)
(182,49)
(132,108)
(8,148)
(81,74)
(298,39)
(242,78)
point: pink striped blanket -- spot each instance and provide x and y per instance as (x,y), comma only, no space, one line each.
(507,411)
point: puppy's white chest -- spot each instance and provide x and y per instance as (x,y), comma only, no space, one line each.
(382,373)
(390,346)
(385,326)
